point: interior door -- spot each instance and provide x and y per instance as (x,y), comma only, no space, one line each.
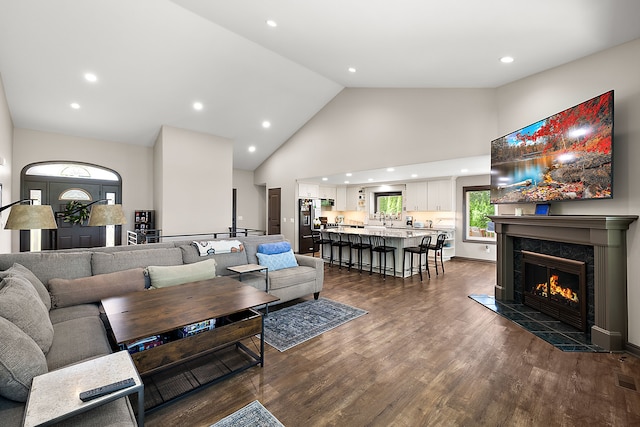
(274,211)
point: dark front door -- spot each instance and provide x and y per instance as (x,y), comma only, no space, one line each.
(75,235)
(274,211)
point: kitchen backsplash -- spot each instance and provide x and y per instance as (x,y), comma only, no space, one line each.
(438,219)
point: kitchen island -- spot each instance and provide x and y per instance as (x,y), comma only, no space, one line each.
(398,238)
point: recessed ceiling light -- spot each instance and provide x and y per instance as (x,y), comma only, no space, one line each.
(370,179)
(506,59)
(266,124)
(252,149)
(90,77)
(272,23)
(325,178)
(346,182)
(390,169)
(75,105)
(414,175)
(465,170)
(349,174)
(352,69)
(198,106)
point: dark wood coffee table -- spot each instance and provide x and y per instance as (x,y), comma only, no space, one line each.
(162,312)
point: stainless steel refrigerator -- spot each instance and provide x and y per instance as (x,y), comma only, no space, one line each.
(308,211)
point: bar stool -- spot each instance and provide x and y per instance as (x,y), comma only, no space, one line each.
(320,241)
(379,245)
(340,241)
(437,248)
(419,250)
(359,243)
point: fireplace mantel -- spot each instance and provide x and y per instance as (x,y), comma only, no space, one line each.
(607,235)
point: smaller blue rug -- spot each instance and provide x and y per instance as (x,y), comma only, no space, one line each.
(252,415)
(562,336)
(290,326)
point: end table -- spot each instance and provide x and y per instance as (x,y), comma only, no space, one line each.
(54,396)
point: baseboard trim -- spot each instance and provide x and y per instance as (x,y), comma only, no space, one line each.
(632,349)
(462,258)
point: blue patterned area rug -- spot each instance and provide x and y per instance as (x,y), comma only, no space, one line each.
(252,415)
(290,326)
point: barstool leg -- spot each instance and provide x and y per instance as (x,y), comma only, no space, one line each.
(419,264)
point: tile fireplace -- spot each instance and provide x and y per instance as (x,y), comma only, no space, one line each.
(588,290)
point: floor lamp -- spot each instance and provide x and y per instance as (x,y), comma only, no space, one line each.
(29,216)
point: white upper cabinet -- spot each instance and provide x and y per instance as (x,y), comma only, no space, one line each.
(416,196)
(327,192)
(352,199)
(440,195)
(308,191)
(341,199)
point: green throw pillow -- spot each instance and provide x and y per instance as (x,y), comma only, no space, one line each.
(163,276)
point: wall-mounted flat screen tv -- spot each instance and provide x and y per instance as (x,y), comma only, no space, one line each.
(567,156)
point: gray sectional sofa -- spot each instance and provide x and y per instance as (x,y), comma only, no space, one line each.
(50,315)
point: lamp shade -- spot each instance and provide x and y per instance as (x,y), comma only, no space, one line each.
(31,217)
(106,215)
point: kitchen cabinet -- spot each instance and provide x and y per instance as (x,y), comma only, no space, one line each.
(308,191)
(327,192)
(352,198)
(440,195)
(416,196)
(341,199)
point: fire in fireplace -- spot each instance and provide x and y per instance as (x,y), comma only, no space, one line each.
(555,286)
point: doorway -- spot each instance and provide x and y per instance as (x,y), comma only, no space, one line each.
(60,184)
(273,226)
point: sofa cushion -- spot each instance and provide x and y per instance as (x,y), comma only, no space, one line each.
(20,270)
(20,360)
(163,276)
(21,305)
(102,263)
(77,340)
(251,245)
(190,255)
(65,292)
(58,315)
(278,261)
(47,265)
(274,248)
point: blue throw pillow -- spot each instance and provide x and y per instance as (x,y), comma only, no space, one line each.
(274,248)
(277,261)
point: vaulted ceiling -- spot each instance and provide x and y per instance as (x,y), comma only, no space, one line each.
(153,59)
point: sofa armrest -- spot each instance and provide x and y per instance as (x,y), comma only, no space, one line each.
(317,263)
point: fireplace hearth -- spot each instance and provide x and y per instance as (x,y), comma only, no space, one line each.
(555,286)
(604,235)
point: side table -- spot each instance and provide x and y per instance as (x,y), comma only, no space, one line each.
(54,396)
(252,268)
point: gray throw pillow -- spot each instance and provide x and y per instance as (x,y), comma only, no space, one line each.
(21,305)
(20,361)
(20,270)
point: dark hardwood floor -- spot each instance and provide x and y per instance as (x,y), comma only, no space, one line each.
(424,355)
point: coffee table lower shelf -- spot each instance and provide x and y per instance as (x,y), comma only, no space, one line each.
(178,368)
(165,387)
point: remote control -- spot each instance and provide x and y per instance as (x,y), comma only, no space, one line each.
(106,389)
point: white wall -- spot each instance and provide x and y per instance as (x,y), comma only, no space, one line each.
(364,129)
(6,152)
(132,162)
(539,96)
(248,195)
(196,177)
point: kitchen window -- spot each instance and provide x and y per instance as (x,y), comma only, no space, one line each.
(389,203)
(478,227)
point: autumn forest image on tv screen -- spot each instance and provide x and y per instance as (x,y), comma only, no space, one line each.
(566,156)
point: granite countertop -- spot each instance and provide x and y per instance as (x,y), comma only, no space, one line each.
(385,232)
